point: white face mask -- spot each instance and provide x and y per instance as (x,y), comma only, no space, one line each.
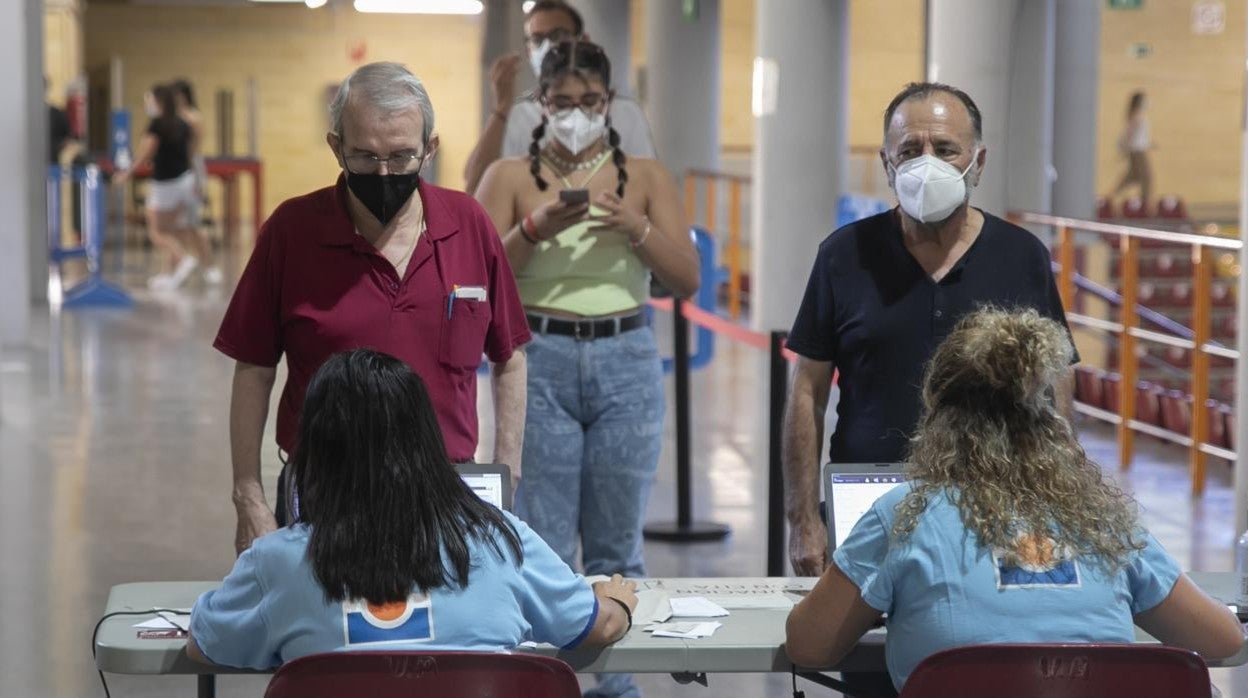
(930,189)
(537,54)
(577,130)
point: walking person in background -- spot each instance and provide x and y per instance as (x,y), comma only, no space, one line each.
(184,97)
(583,232)
(1135,143)
(167,146)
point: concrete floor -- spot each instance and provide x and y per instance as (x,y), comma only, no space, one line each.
(114,467)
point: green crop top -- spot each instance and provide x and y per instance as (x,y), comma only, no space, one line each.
(584,273)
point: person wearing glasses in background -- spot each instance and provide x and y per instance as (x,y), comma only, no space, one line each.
(509,129)
(380,260)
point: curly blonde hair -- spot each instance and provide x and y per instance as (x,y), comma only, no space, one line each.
(992,439)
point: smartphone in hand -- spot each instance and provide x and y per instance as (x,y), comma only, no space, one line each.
(573,197)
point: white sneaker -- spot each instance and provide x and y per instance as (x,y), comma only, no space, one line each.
(183,271)
(213,276)
(160,282)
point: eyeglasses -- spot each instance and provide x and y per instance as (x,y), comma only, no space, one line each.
(368,163)
(556,36)
(587,101)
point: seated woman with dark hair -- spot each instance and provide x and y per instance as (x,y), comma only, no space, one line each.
(392,549)
(1007,532)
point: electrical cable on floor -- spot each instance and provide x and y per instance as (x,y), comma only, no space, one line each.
(96,633)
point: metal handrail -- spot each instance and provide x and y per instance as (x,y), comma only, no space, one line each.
(1131,231)
(1109,296)
(1197,338)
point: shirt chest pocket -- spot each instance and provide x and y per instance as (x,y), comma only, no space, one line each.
(463,333)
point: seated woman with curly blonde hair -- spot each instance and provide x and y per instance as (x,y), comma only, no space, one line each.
(1007,532)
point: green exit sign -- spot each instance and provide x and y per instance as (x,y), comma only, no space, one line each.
(1125,4)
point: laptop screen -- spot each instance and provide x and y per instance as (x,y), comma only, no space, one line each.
(488,486)
(853,494)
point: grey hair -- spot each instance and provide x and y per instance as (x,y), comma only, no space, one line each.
(388,86)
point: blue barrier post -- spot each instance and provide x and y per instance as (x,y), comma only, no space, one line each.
(56,252)
(94,291)
(705,299)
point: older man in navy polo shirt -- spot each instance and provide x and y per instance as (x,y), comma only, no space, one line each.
(886,290)
(380,260)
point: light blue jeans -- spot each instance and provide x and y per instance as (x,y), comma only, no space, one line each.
(592,439)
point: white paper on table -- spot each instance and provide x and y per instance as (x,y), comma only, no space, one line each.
(652,607)
(687,631)
(178,619)
(755,602)
(696,607)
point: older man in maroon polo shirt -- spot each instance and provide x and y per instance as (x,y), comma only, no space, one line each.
(383,261)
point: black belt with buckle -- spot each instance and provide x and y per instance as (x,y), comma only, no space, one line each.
(585,329)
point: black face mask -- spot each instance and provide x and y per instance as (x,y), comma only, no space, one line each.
(383,195)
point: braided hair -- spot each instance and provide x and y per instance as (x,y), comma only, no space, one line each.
(535,155)
(617,157)
(582,59)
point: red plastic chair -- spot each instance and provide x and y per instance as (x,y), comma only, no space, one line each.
(1104,208)
(1134,208)
(1111,391)
(1060,671)
(1217,427)
(1148,403)
(1176,412)
(416,674)
(1089,388)
(1171,207)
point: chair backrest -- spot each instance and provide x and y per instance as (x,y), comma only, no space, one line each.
(1134,208)
(1104,208)
(1171,207)
(1065,671)
(416,674)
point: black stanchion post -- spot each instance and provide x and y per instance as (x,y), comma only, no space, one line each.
(775,472)
(680,346)
(684,529)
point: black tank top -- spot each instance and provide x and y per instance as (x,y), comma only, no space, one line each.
(173,150)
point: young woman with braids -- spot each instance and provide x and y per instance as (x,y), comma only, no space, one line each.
(594,427)
(1007,532)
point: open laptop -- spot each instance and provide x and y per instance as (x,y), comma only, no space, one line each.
(850,489)
(491,482)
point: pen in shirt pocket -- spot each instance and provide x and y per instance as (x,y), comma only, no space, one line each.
(468,293)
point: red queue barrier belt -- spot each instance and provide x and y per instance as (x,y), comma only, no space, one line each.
(719,325)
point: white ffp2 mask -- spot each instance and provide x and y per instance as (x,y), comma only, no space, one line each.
(576,130)
(537,54)
(930,189)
